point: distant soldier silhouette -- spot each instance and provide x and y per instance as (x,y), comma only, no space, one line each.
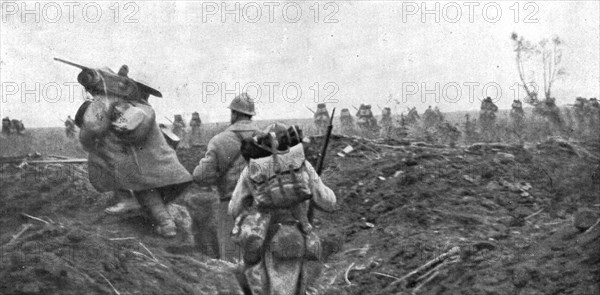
(195,134)
(429,118)
(413,116)
(179,130)
(402,131)
(321,118)
(487,119)
(551,113)
(448,133)
(346,121)
(70,127)
(438,116)
(470,129)
(6,128)
(17,127)
(366,121)
(386,122)
(581,108)
(517,119)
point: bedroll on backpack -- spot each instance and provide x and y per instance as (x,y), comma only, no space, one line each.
(278,180)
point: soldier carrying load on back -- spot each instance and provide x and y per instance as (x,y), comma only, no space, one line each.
(517,118)
(413,116)
(321,118)
(366,121)
(6,128)
(487,118)
(127,152)
(581,108)
(429,118)
(195,134)
(17,127)
(346,121)
(386,122)
(178,126)
(70,127)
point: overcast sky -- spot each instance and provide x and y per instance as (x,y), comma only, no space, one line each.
(356,52)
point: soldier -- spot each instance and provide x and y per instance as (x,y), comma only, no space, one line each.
(438,116)
(178,126)
(449,133)
(6,128)
(276,262)
(487,118)
(195,134)
(386,122)
(581,108)
(429,118)
(517,119)
(128,154)
(366,121)
(222,165)
(321,118)
(179,129)
(346,121)
(470,129)
(70,127)
(17,127)
(402,131)
(413,116)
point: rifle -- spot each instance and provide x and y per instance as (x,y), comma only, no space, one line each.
(355,107)
(311,207)
(310,109)
(380,108)
(168,119)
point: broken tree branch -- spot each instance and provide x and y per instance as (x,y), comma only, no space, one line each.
(18,234)
(346,274)
(427,266)
(385,275)
(534,214)
(152,254)
(34,218)
(110,284)
(592,227)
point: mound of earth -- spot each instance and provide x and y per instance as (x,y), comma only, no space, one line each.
(56,239)
(510,209)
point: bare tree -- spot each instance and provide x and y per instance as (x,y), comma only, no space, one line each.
(529,53)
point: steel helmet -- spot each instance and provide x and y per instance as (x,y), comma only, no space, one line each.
(243,104)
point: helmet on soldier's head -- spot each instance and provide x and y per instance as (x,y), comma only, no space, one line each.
(178,118)
(321,105)
(243,104)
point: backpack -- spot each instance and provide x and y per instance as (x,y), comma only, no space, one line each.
(278,184)
(278,180)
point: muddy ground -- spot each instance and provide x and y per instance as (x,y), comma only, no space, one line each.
(510,209)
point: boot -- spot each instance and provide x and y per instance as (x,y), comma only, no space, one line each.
(126,204)
(153,203)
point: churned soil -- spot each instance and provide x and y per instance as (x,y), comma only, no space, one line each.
(510,209)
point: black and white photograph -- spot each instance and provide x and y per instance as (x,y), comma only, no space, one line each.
(307,147)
